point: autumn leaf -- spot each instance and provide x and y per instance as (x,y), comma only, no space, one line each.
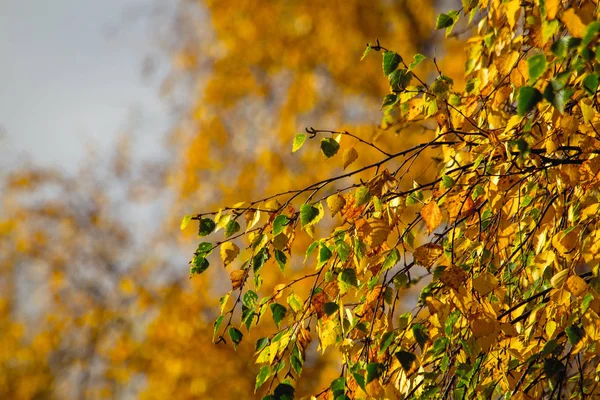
(454,277)
(432,215)
(350,155)
(229,251)
(335,203)
(428,254)
(237,278)
(576,286)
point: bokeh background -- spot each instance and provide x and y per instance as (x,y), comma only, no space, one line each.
(119,117)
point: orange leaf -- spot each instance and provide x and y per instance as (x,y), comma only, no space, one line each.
(432,215)
(428,254)
(237,278)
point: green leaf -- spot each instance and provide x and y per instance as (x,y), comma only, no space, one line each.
(330,308)
(261,344)
(343,249)
(548,348)
(528,98)
(250,298)
(261,378)
(348,278)
(299,140)
(439,346)
(536,66)
(590,83)
(420,335)
(281,259)
(338,387)
(417,58)
(374,371)
(247,316)
(324,254)
(231,228)
(560,47)
(294,302)
(391,259)
(367,51)
(217,325)
(236,336)
(406,359)
(206,227)
(284,391)
(455,16)
(557,94)
(279,312)
(259,259)
(308,214)
(329,146)
(391,60)
(585,303)
(204,249)
(360,379)
(279,224)
(575,334)
(296,360)
(389,100)
(199,265)
(447,182)
(362,196)
(444,21)
(386,340)
(310,249)
(400,79)
(590,32)
(185,222)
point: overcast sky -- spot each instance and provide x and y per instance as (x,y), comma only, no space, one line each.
(70,78)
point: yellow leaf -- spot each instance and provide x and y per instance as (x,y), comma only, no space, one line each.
(459,207)
(590,211)
(551,8)
(428,254)
(454,277)
(482,325)
(432,215)
(335,203)
(573,23)
(280,241)
(350,155)
(565,242)
(587,111)
(327,333)
(229,251)
(237,278)
(278,291)
(379,231)
(252,218)
(185,222)
(375,390)
(512,9)
(576,286)
(550,328)
(485,283)
(559,278)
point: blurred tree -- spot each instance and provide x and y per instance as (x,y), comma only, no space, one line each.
(87,310)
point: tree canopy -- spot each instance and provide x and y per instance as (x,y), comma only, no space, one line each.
(499,231)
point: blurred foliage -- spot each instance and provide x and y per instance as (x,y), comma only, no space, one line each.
(91,308)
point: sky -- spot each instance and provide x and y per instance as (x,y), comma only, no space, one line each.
(71,80)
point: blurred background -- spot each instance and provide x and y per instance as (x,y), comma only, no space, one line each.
(119,117)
